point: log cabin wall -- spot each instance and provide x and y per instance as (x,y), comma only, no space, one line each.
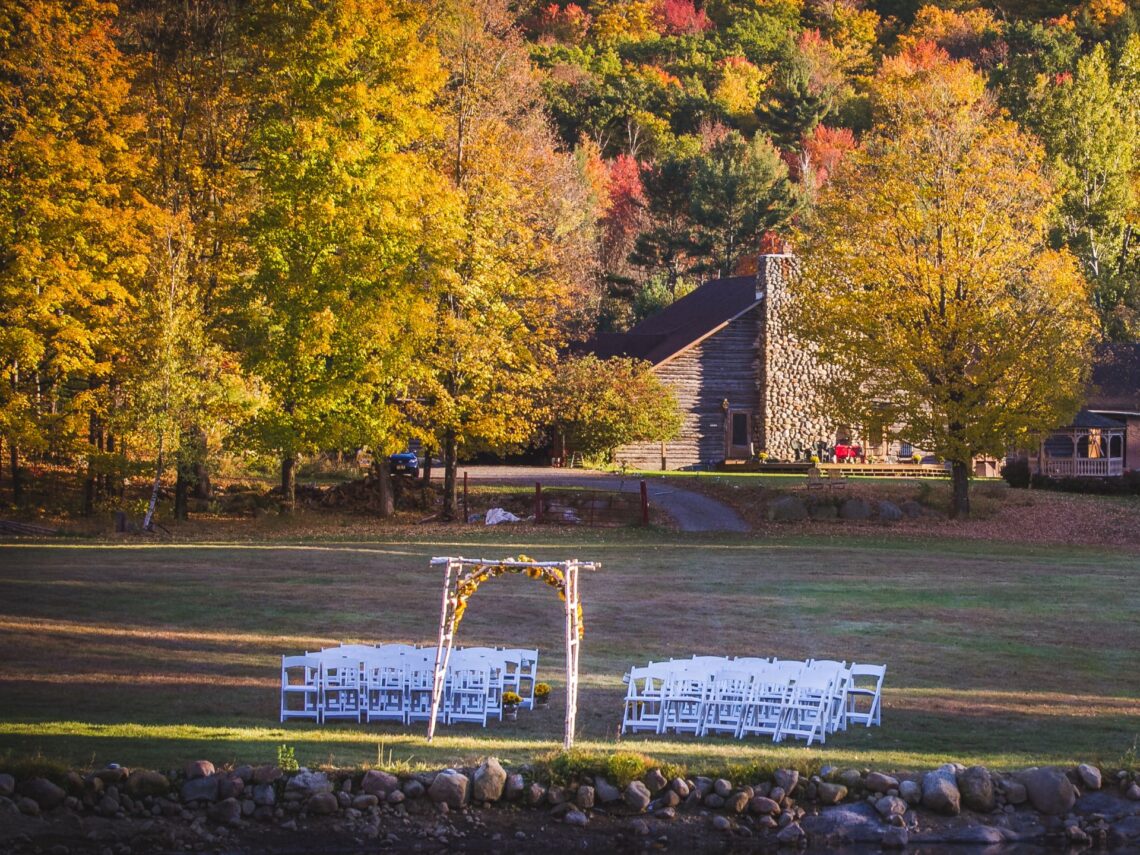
(725,366)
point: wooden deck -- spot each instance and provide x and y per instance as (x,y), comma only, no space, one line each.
(867,470)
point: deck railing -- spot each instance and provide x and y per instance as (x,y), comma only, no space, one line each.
(1081,467)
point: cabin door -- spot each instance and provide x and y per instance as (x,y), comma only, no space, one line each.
(738,435)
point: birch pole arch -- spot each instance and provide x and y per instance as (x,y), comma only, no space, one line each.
(462,577)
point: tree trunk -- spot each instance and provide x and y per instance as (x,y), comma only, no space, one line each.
(384,476)
(148,520)
(181,493)
(450,464)
(199,474)
(427,466)
(960,476)
(17,483)
(289,482)
(89,485)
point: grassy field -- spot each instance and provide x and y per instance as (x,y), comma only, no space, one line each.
(1007,655)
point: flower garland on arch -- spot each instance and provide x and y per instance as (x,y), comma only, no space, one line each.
(467,584)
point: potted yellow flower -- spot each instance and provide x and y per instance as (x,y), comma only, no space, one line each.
(511,702)
(542,694)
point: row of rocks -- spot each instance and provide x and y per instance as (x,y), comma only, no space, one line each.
(788,805)
(796,508)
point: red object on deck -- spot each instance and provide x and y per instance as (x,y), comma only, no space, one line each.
(844,453)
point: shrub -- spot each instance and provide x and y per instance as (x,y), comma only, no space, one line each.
(1016,473)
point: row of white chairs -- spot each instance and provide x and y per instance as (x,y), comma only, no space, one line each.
(394,682)
(748,696)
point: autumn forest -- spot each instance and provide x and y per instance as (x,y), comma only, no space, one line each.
(255,231)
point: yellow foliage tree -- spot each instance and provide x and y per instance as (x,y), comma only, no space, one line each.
(927,276)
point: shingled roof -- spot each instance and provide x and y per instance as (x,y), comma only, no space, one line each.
(680,325)
(1115,383)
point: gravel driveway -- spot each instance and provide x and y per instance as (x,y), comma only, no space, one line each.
(690,511)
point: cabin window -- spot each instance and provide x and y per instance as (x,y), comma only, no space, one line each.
(1116,447)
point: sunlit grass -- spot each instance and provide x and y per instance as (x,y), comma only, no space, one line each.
(999,654)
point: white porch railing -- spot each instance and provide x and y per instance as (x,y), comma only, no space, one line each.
(1080,467)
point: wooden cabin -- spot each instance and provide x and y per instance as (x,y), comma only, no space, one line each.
(743,384)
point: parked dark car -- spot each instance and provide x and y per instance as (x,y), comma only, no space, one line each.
(404,463)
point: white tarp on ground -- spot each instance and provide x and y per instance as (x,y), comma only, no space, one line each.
(498,515)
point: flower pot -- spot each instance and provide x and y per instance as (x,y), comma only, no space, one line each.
(511,712)
(542,700)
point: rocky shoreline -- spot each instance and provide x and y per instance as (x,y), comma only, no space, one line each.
(116,811)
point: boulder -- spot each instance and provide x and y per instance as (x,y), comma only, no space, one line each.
(226,812)
(763,806)
(584,798)
(449,788)
(378,783)
(266,774)
(1090,776)
(790,835)
(322,804)
(889,806)
(7,785)
(28,806)
(823,511)
(198,769)
(245,772)
(855,509)
(413,789)
(830,794)
(143,782)
(489,781)
(44,793)
(230,787)
(877,782)
(264,794)
(396,797)
(557,795)
(637,796)
(850,778)
(200,790)
(515,787)
(575,818)
(680,787)
(1015,793)
(1050,790)
(889,511)
(712,800)
(911,792)
(1133,792)
(605,792)
(787,780)
(367,800)
(655,781)
(977,789)
(309,783)
(737,802)
(787,509)
(896,837)
(722,787)
(940,791)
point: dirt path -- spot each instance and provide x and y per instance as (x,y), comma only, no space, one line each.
(690,511)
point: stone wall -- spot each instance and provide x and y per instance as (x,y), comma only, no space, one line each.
(791,413)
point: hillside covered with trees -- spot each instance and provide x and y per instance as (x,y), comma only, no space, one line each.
(263,230)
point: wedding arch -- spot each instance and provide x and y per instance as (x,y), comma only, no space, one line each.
(463,576)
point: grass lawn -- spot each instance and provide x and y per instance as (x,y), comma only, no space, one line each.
(150,655)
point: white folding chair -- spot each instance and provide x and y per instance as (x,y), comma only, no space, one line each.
(760,713)
(341,695)
(643,697)
(301,687)
(864,694)
(419,671)
(521,673)
(683,698)
(837,719)
(724,705)
(806,712)
(385,690)
(467,694)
